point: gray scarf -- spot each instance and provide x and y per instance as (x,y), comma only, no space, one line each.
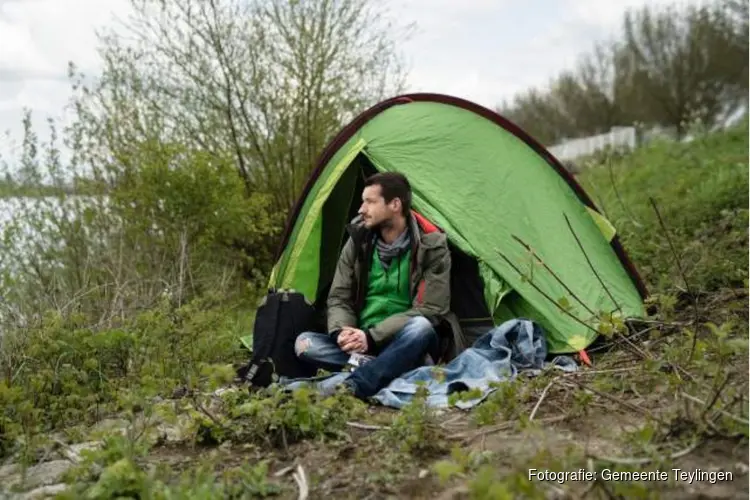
(388,252)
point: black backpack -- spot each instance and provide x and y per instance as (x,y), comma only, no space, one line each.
(280,318)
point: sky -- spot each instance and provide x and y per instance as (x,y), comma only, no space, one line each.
(481,50)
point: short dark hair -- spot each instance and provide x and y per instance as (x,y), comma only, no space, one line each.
(393,185)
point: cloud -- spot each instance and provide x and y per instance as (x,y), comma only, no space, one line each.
(37,40)
(490,51)
(44,35)
(482,50)
(9,74)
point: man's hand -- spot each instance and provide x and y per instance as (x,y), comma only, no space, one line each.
(352,340)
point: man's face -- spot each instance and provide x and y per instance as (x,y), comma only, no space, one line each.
(374,210)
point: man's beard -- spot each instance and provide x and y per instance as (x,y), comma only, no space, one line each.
(382,224)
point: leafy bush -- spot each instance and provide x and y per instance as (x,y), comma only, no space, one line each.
(67,372)
(137,275)
(167,219)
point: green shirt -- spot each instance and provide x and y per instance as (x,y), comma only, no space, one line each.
(387,290)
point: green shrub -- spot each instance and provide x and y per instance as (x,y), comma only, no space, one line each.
(73,373)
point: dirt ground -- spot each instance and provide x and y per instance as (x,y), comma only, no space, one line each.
(642,407)
(562,436)
(359,467)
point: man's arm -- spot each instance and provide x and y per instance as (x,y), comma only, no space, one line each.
(340,301)
(435,301)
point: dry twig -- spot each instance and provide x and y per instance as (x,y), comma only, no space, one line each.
(630,406)
(470,436)
(737,419)
(683,275)
(617,195)
(541,398)
(546,296)
(716,396)
(593,269)
(645,461)
(301,479)
(366,427)
(284,471)
(554,275)
(210,415)
(449,422)
(597,372)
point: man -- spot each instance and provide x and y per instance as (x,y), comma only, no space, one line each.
(390,289)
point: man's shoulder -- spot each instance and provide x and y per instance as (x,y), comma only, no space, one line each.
(349,247)
(436,240)
(353,246)
(434,247)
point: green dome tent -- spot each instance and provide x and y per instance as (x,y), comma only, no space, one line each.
(501,198)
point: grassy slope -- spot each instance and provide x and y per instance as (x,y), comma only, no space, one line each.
(701,192)
(635,410)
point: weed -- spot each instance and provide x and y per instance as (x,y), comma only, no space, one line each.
(414,429)
(281,418)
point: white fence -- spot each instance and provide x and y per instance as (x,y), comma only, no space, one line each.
(630,138)
(617,137)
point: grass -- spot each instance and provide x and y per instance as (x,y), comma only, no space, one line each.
(700,193)
(676,402)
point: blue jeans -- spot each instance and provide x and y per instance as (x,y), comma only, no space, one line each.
(405,351)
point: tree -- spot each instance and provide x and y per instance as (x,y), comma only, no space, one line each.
(267,82)
(738,19)
(579,102)
(680,64)
(669,67)
(536,114)
(597,77)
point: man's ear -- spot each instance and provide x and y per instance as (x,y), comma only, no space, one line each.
(395,204)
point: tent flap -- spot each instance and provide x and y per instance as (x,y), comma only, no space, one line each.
(495,289)
(304,255)
(606,227)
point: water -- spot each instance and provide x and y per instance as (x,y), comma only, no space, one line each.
(28,225)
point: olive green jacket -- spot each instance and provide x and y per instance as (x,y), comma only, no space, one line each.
(429,282)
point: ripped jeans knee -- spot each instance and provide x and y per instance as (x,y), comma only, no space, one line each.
(320,349)
(302,344)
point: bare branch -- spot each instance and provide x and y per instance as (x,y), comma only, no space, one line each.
(591,266)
